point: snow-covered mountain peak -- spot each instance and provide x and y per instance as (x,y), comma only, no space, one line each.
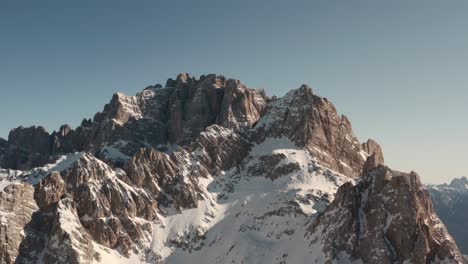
(312,122)
(209,171)
(459,183)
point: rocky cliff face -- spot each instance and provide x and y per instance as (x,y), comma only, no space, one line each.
(16,209)
(450,203)
(3,148)
(27,148)
(157,117)
(209,171)
(312,122)
(387,217)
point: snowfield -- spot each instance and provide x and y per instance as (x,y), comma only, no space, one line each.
(258,220)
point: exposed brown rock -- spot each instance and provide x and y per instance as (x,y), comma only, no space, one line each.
(69,242)
(16,207)
(49,191)
(386,218)
(154,117)
(372,162)
(270,167)
(241,107)
(313,122)
(216,149)
(372,147)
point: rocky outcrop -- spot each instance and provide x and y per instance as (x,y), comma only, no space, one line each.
(16,207)
(178,112)
(86,202)
(56,236)
(27,148)
(372,147)
(372,162)
(68,240)
(61,141)
(450,203)
(387,217)
(215,150)
(158,171)
(31,147)
(3,148)
(47,196)
(312,121)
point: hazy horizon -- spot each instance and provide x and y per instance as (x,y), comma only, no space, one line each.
(397,70)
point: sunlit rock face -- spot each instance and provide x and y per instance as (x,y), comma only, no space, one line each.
(16,208)
(312,122)
(387,217)
(157,117)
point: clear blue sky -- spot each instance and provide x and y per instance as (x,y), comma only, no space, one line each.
(397,69)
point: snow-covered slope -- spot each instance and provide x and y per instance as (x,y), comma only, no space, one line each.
(252,219)
(274,206)
(35,175)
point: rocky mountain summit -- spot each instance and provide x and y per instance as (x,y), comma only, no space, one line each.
(392,221)
(450,202)
(158,117)
(207,170)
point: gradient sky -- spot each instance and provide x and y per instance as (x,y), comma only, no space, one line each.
(397,69)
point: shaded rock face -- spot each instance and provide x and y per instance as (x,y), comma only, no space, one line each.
(450,202)
(27,148)
(3,148)
(175,114)
(16,208)
(31,147)
(61,142)
(386,218)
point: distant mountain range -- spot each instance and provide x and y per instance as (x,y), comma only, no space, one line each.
(451,204)
(207,170)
